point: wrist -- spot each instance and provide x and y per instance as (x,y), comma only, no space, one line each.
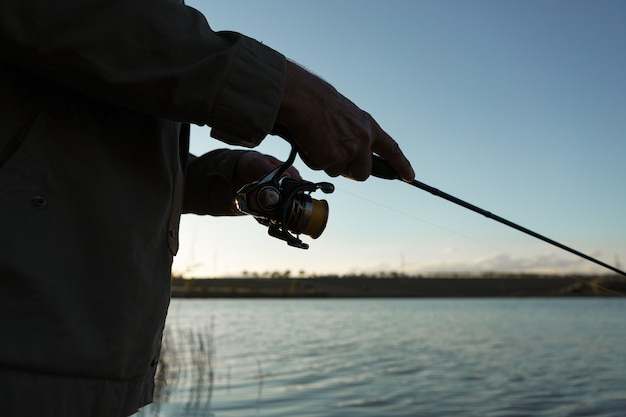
(300,92)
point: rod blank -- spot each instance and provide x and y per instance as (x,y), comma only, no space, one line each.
(381,169)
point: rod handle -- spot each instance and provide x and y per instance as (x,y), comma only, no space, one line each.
(382,169)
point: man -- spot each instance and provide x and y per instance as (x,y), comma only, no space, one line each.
(97,97)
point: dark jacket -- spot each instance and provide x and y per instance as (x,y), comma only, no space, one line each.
(95,101)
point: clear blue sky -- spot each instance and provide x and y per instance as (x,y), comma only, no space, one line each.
(518,107)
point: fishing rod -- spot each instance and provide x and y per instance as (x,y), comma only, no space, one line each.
(382,169)
(285,206)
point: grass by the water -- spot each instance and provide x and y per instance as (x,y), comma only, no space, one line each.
(186,369)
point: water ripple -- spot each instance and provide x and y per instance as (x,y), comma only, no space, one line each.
(396,358)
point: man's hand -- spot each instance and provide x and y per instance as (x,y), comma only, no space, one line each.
(253,165)
(331,132)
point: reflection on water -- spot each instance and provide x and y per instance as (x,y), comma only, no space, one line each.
(394,357)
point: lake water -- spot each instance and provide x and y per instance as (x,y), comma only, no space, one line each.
(395,357)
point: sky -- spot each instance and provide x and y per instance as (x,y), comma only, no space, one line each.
(518,107)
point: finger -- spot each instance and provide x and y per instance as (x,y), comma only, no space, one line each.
(292,173)
(361,167)
(334,169)
(333,172)
(389,150)
(266,163)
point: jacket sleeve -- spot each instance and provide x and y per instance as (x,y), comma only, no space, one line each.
(209,183)
(157,57)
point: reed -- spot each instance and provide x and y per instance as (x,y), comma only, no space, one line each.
(185,373)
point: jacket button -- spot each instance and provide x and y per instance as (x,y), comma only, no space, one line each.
(39,202)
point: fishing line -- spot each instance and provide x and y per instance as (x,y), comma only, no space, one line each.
(420,219)
(381,169)
(584,281)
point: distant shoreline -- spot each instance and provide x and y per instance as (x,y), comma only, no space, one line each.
(325,287)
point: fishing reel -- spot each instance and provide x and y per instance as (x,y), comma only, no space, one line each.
(285,205)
